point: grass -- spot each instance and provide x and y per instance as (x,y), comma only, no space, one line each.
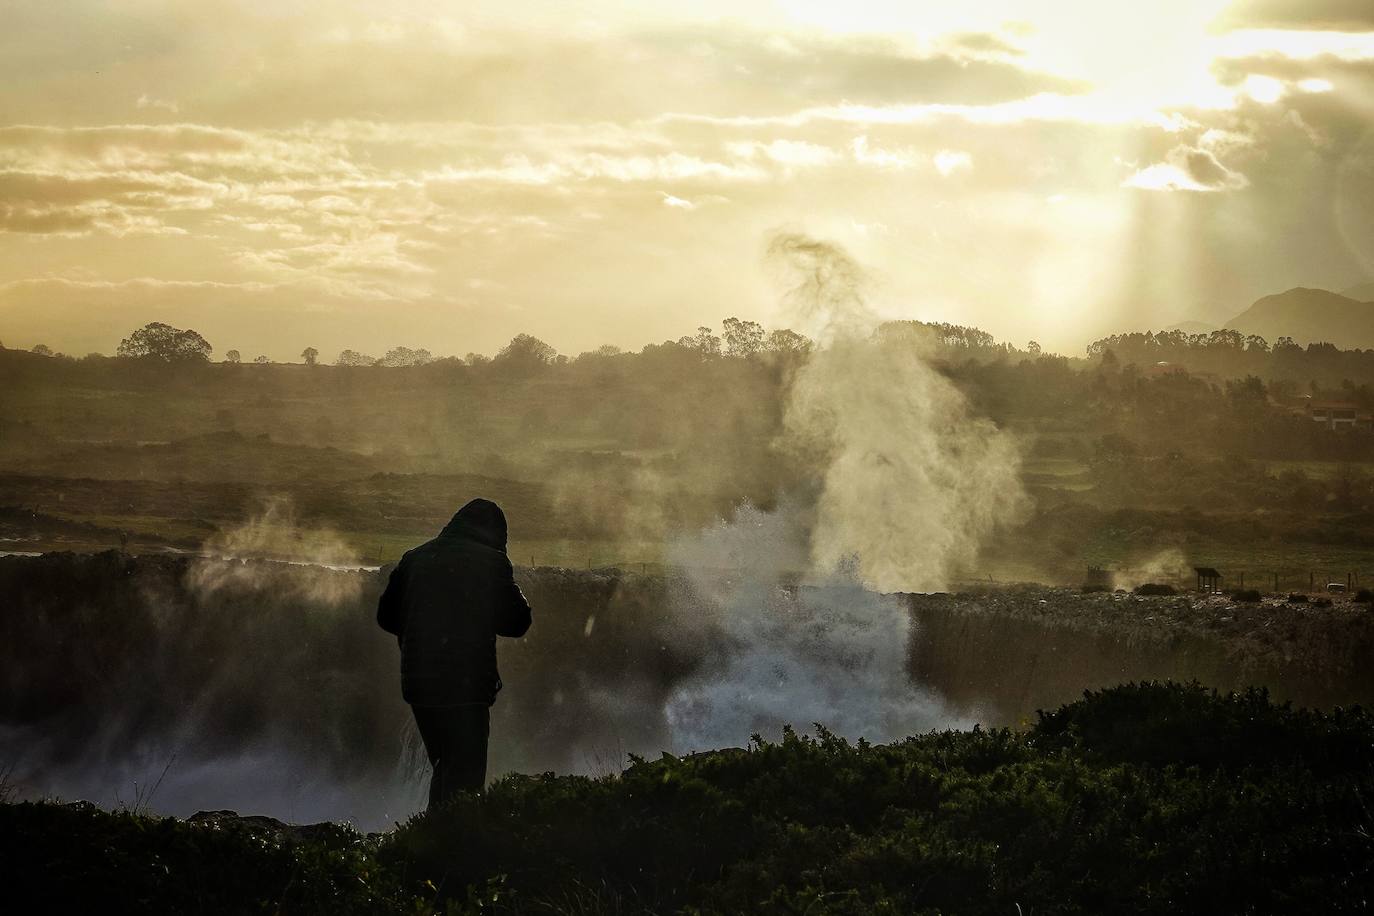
(1054,467)
(1318,470)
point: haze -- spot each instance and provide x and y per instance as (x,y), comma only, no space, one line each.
(367,175)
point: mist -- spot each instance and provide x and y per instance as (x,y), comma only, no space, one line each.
(912,481)
(909,485)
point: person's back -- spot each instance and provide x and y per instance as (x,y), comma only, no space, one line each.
(447,601)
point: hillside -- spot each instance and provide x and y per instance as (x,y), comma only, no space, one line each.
(1362,293)
(1309,316)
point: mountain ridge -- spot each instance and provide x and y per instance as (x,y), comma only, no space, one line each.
(1309,315)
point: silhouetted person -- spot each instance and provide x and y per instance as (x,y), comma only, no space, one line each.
(447,601)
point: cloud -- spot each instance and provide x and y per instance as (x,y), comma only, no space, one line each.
(785,152)
(230,64)
(1043,108)
(146,101)
(359,160)
(1343,15)
(867,154)
(1187,168)
(948,161)
(677,202)
(760,72)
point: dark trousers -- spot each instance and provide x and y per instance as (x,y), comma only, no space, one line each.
(456,741)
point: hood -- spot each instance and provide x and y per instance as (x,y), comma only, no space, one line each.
(480,520)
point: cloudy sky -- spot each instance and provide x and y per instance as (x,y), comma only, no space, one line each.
(372,173)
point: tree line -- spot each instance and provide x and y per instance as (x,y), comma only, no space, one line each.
(1229,353)
(738,339)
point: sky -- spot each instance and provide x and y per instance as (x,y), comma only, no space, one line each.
(364,174)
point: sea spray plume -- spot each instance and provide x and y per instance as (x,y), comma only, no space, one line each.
(1168,566)
(275,533)
(909,486)
(912,483)
(825,286)
(795,653)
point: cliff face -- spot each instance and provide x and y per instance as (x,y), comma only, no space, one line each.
(268,687)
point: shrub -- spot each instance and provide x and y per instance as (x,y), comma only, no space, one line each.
(77,858)
(1297,598)
(1156,588)
(1364,596)
(1168,797)
(1247,596)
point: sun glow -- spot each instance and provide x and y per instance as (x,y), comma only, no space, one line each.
(1263,89)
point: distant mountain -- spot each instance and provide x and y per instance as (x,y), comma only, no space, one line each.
(1362,293)
(1308,315)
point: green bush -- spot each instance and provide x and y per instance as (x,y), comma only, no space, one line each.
(1143,798)
(1148,798)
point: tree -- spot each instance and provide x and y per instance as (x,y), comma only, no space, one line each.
(165,343)
(526,350)
(1226,339)
(742,338)
(1033,348)
(310,355)
(787,341)
(704,342)
(42,349)
(233,356)
(261,360)
(404,356)
(354,358)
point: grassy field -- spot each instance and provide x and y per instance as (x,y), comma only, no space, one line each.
(1256,563)
(1318,470)
(593,469)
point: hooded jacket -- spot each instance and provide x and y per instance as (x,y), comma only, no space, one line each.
(447,601)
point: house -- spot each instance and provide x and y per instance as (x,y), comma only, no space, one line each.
(1208,579)
(1338,414)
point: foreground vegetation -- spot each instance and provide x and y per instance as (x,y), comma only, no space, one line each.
(1147,798)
